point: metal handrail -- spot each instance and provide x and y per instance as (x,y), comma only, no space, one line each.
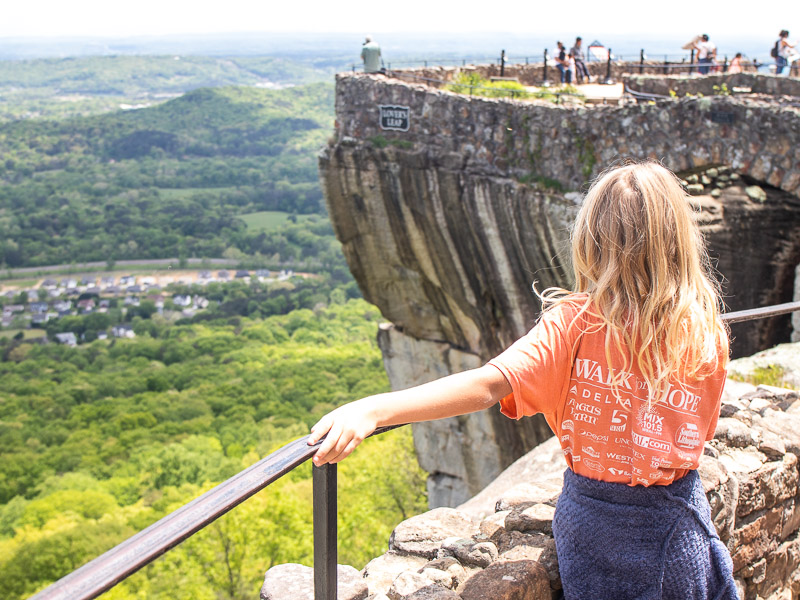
(644,95)
(752,314)
(669,62)
(510,60)
(105,571)
(108,569)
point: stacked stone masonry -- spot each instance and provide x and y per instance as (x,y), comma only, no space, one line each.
(712,85)
(568,145)
(499,545)
(445,225)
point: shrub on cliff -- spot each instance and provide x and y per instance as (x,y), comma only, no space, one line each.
(476,85)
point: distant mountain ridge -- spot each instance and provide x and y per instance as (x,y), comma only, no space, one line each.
(164,181)
(172,73)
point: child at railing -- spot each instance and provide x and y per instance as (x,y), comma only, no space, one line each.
(570,65)
(628,370)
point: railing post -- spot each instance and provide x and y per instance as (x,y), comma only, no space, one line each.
(691,62)
(502,63)
(641,61)
(725,65)
(666,68)
(325,559)
(545,81)
(608,80)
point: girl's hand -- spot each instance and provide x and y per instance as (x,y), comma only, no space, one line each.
(347,427)
(459,394)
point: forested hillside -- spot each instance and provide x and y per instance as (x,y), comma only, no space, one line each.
(101,440)
(164,181)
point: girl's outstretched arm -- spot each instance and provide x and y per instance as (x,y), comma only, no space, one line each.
(459,394)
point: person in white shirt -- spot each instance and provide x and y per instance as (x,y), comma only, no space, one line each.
(706,52)
(570,74)
(784,51)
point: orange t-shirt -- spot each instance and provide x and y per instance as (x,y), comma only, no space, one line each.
(606,436)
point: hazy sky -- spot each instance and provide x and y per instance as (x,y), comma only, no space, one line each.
(157,17)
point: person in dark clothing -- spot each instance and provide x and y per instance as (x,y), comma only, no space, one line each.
(561,61)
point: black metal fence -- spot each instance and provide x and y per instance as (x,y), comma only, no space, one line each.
(667,63)
(105,571)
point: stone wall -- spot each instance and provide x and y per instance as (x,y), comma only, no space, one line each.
(568,145)
(681,85)
(446,225)
(499,544)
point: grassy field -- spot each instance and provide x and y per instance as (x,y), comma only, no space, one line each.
(22,283)
(267,220)
(27,333)
(182,193)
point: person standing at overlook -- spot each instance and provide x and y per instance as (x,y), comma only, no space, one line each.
(371,55)
(736,64)
(570,68)
(706,52)
(561,60)
(581,71)
(628,370)
(783,51)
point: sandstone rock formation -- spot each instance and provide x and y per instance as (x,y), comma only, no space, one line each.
(499,544)
(295,581)
(445,226)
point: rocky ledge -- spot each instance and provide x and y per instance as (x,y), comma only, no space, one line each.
(499,544)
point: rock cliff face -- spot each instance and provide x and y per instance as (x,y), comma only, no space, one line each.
(447,219)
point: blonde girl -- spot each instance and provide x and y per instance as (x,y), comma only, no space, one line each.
(628,370)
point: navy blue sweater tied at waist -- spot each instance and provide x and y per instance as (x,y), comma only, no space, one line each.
(619,542)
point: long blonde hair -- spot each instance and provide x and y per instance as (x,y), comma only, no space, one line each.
(641,260)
